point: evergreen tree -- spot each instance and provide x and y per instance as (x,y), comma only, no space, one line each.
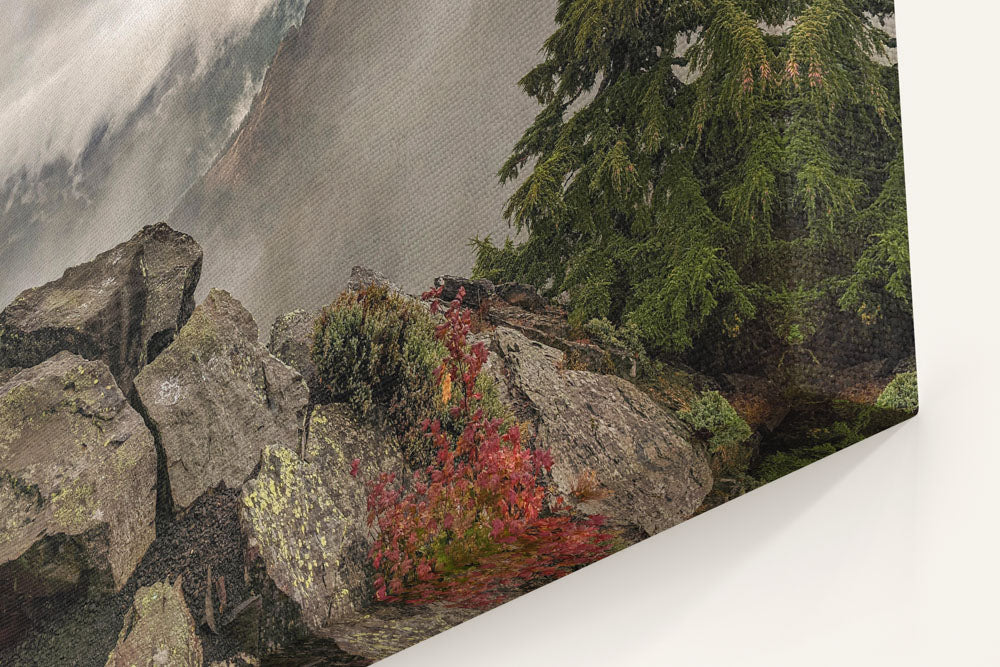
(722,174)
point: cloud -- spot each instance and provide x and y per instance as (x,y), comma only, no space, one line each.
(69,70)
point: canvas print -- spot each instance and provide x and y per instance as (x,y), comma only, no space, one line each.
(328,326)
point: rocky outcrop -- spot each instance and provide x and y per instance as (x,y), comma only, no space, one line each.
(387,629)
(215,398)
(362,277)
(158,630)
(291,341)
(476,291)
(616,451)
(308,517)
(77,481)
(123,307)
(522,296)
(548,325)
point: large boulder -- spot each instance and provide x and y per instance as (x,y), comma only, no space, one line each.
(383,630)
(77,481)
(307,518)
(158,630)
(215,398)
(616,451)
(123,307)
(291,341)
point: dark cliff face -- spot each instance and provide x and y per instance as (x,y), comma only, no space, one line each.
(375,140)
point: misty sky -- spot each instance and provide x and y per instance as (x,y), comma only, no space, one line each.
(68,69)
(110,109)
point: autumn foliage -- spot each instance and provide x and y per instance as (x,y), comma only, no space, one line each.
(477,525)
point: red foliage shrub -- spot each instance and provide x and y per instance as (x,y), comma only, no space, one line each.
(475,526)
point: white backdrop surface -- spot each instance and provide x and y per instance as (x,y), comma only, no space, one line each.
(887,553)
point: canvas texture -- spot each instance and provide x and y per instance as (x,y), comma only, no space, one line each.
(329,325)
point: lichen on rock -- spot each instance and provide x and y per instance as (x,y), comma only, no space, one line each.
(215,398)
(308,518)
(76,461)
(158,630)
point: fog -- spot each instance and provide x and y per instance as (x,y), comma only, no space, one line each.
(70,69)
(110,110)
(376,140)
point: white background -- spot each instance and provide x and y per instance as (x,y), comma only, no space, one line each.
(887,553)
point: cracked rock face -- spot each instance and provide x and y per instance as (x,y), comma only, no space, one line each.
(308,517)
(158,630)
(362,277)
(637,459)
(123,307)
(215,398)
(77,480)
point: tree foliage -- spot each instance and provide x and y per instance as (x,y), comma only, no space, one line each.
(706,168)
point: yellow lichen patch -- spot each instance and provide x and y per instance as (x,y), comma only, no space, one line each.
(18,504)
(73,506)
(299,530)
(16,409)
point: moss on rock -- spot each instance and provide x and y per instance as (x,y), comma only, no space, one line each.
(900,393)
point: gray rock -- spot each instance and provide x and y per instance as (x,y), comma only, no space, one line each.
(636,459)
(388,629)
(123,307)
(476,291)
(215,398)
(522,296)
(548,326)
(77,481)
(158,630)
(362,277)
(291,341)
(308,517)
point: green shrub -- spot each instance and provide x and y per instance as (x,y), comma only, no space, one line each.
(781,463)
(376,350)
(727,436)
(900,394)
(626,337)
(712,412)
(493,407)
